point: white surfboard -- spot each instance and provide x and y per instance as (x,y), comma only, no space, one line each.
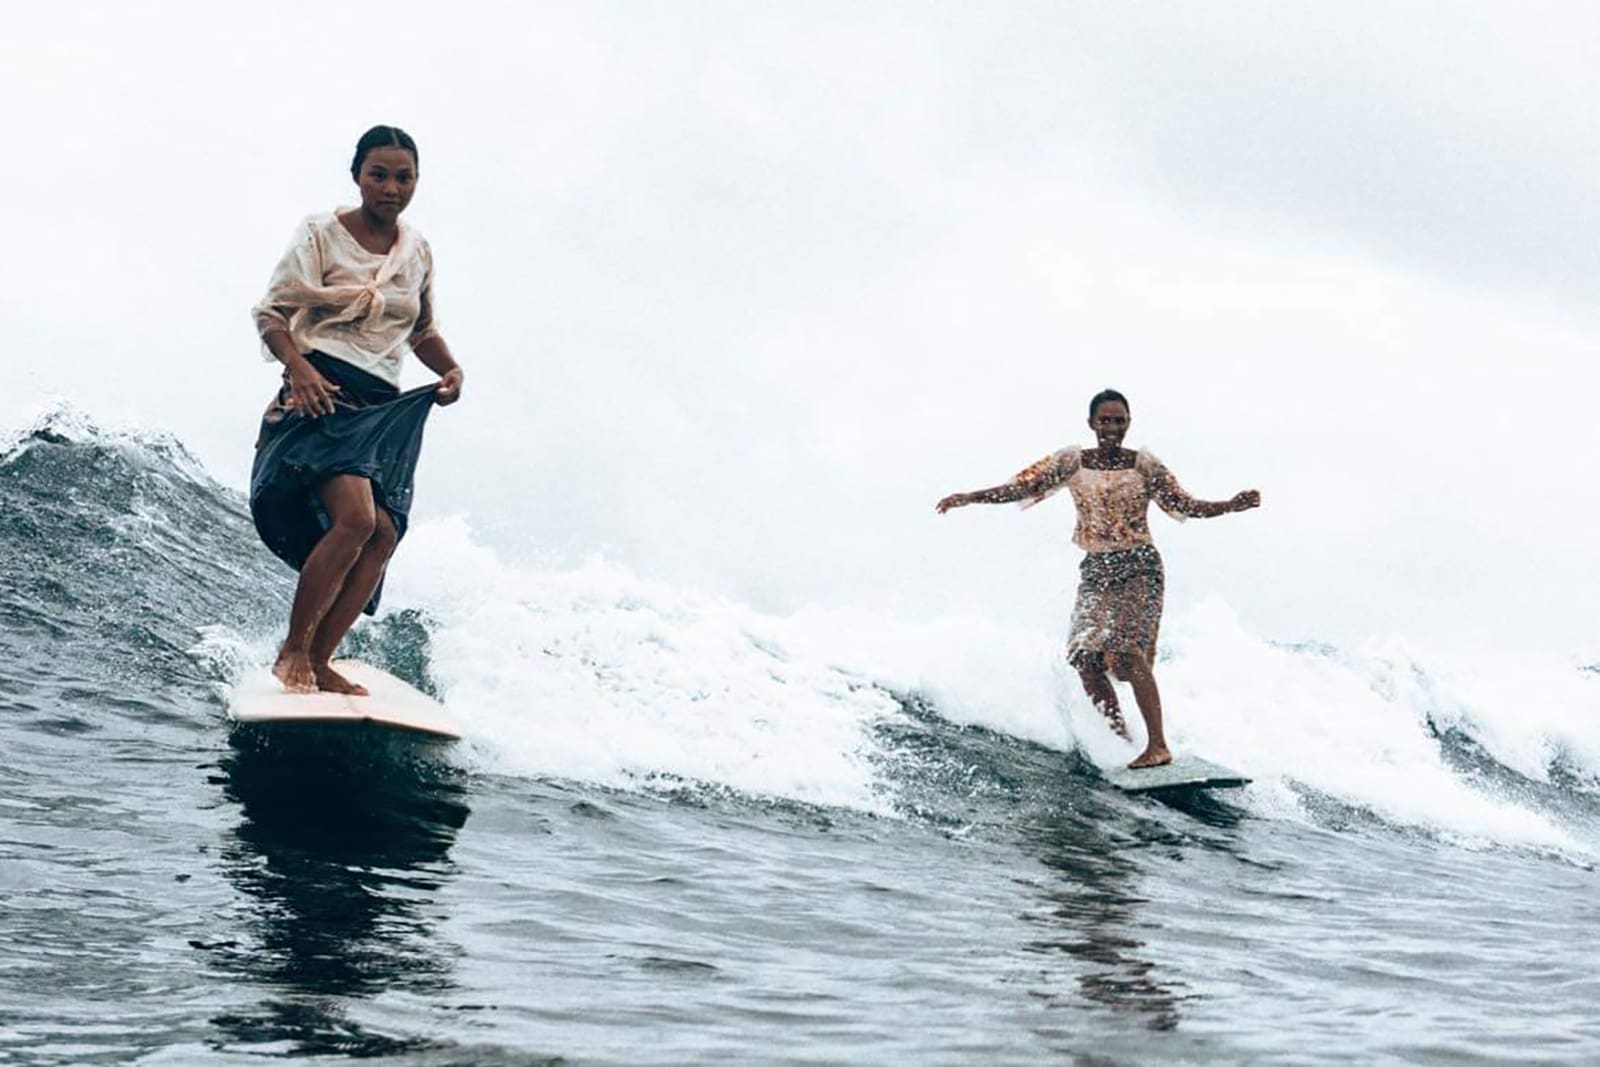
(1189,772)
(261,699)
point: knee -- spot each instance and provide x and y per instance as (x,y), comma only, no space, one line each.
(1129,666)
(354,525)
(384,536)
(1092,677)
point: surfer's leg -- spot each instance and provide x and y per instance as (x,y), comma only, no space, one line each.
(1136,669)
(1104,697)
(347,499)
(358,586)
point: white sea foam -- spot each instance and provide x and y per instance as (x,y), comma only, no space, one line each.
(1356,725)
(594,673)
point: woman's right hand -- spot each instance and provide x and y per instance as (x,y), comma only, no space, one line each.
(309,392)
(954,500)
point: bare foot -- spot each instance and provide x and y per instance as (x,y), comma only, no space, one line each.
(1151,757)
(331,681)
(293,669)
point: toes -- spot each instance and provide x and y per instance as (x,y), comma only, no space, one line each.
(329,681)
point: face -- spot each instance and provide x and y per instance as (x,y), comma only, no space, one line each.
(1110,423)
(387,178)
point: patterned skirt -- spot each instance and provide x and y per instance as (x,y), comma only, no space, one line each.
(1118,607)
(375,432)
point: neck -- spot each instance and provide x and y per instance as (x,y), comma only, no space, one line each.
(378,226)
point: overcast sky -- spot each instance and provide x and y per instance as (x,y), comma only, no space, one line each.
(741,289)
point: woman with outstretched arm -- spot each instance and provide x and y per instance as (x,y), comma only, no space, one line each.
(1117,616)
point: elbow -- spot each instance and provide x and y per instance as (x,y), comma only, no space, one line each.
(269,320)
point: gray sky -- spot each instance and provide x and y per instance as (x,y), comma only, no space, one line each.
(741,289)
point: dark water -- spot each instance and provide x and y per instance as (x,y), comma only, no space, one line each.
(171,892)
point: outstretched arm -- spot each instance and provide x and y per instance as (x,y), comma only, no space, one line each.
(1210,509)
(997,494)
(1176,501)
(1031,483)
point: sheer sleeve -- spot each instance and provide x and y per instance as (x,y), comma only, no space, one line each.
(299,269)
(1045,477)
(1172,497)
(427,326)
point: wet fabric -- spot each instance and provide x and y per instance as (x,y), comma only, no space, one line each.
(1118,609)
(331,295)
(375,432)
(1113,503)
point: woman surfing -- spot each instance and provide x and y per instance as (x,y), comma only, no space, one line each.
(331,486)
(1117,615)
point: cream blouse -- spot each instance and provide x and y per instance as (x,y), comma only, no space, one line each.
(1112,505)
(332,295)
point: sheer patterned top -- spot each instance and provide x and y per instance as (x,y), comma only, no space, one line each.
(1112,505)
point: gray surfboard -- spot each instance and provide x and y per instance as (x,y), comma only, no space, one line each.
(1184,772)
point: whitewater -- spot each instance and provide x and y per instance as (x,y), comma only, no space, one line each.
(680,827)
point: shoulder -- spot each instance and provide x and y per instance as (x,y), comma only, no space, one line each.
(1052,469)
(1145,462)
(1065,462)
(316,229)
(412,236)
(320,222)
(417,246)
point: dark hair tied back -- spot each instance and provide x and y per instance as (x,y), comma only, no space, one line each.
(382,137)
(1105,396)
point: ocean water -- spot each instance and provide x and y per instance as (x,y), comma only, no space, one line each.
(682,831)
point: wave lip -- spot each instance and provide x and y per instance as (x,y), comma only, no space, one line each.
(115,546)
(60,422)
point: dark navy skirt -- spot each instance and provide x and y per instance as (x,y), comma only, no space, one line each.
(375,431)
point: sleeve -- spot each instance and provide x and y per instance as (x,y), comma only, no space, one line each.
(298,270)
(1172,497)
(426,326)
(1045,477)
